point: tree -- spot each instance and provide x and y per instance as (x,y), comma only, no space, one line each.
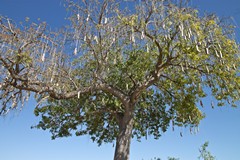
(120,69)
(204,153)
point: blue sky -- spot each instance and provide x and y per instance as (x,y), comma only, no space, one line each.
(221,127)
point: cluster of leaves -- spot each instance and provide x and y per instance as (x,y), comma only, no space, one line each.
(80,116)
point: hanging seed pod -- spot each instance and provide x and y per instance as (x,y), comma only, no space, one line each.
(222,62)
(169,36)
(212,105)
(220,53)
(142,35)
(207,50)
(216,53)
(181,134)
(199,87)
(105,20)
(228,101)
(43,57)
(190,31)
(228,69)
(201,103)
(173,123)
(191,130)
(52,79)
(87,19)
(75,51)
(182,68)
(165,37)
(14,104)
(181,29)
(96,39)
(197,48)
(132,38)
(189,35)
(207,69)
(78,94)
(85,38)
(14,101)
(164,27)
(219,46)
(234,67)
(190,118)
(147,49)
(78,16)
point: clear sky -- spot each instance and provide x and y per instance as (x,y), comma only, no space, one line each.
(221,127)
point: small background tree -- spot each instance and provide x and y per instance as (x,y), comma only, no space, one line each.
(204,153)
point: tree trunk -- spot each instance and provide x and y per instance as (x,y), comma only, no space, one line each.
(124,137)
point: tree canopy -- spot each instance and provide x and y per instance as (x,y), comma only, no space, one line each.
(120,68)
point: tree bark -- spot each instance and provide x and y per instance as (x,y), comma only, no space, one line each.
(122,150)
